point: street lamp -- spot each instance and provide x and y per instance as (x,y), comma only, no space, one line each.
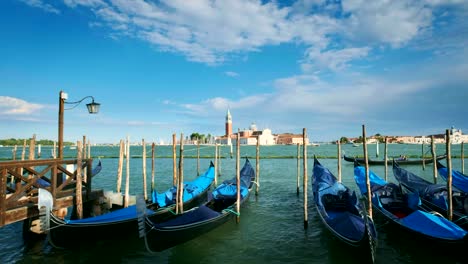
(93,108)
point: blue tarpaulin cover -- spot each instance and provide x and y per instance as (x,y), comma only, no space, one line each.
(228,189)
(191,189)
(418,221)
(459,180)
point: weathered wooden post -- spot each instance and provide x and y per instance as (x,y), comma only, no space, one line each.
(89,149)
(386,158)
(434,159)
(339,159)
(198,157)
(377,149)
(238,191)
(366,159)
(152,168)
(54,150)
(13,154)
(23,154)
(174,161)
(78,192)
(120,166)
(84,147)
(127,178)
(84,155)
(216,165)
(230,146)
(257,173)
(32,151)
(462,154)
(89,175)
(449,175)
(145,192)
(304,155)
(181,174)
(298,167)
(219,160)
(422,156)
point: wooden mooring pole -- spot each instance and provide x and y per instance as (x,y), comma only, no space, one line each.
(198,157)
(145,192)
(219,159)
(339,159)
(120,166)
(462,157)
(181,174)
(78,193)
(366,159)
(257,173)
(386,158)
(422,156)
(449,175)
(304,158)
(174,161)
(298,168)
(216,165)
(434,159)
(127,177)
(153,186)
(238,176)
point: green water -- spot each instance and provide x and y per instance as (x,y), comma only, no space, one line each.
(271,228)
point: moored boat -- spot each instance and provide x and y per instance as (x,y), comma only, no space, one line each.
(341,212)
(221,208)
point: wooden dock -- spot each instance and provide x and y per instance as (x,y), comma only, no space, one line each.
(21,180)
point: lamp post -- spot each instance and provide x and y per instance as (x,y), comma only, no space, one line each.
(93,108)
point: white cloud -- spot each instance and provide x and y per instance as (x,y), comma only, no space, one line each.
(212,32)
(15,106)
(40,4)
(231,74)
(86,3)
(394,22)
(333,59)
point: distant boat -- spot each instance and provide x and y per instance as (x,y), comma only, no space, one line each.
(72,147)
(401,161)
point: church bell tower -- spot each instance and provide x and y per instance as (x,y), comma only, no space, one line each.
(228,123)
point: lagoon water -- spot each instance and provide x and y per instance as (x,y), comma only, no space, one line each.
(271,227)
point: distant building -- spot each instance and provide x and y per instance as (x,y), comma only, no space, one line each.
(290,139)
(247,136)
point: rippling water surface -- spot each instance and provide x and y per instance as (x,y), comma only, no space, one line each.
(271,229)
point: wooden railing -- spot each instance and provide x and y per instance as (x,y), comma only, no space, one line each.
(21,180)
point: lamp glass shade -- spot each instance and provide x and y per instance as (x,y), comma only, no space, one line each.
(93,108)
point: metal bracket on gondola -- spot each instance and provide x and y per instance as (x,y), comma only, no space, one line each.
(231,211)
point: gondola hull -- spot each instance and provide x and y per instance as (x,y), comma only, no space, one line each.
(402,210)
(66,235)
(341,213)
(160,236)
(123,223)
(434,196)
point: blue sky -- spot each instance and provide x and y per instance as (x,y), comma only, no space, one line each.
(174,66)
